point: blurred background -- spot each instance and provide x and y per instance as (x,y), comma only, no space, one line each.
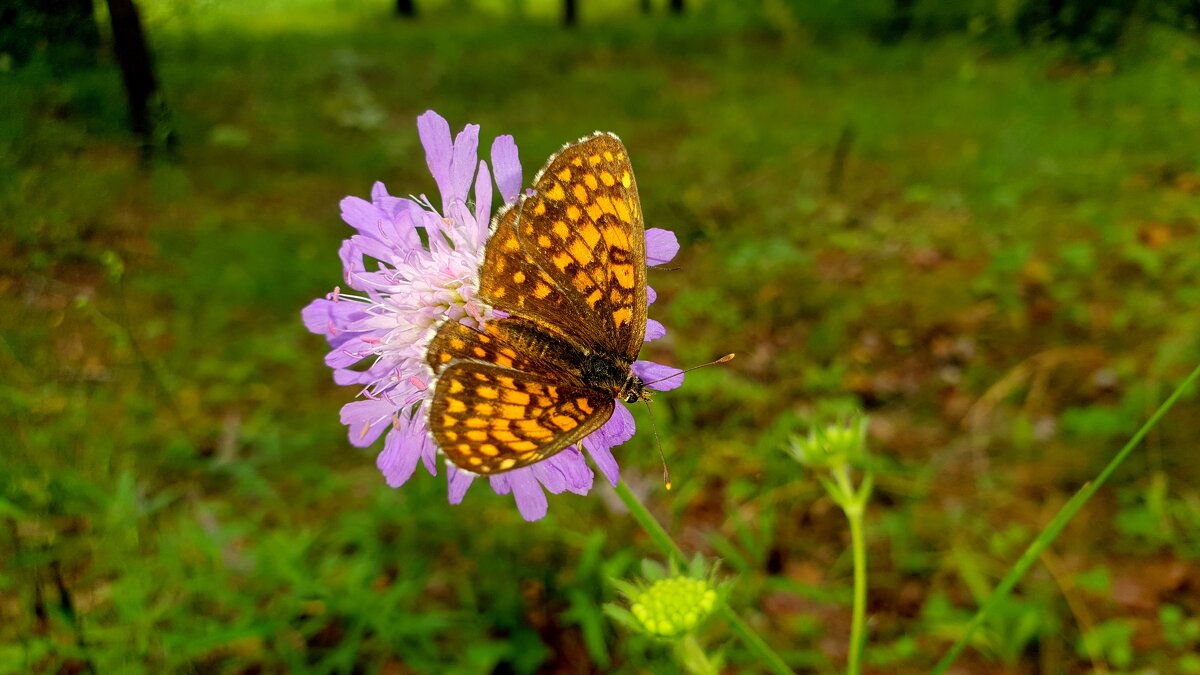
(977,221)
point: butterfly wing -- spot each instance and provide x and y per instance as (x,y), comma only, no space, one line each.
(489,415)
(579,246)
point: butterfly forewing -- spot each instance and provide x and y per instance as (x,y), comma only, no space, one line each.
(583,228)
(512,282)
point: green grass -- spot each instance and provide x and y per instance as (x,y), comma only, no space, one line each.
(1007,280)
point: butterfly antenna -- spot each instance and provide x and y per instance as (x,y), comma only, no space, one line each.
(658,444)
(654,426)
(724,359)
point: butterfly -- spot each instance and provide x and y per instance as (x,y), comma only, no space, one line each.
(565,266)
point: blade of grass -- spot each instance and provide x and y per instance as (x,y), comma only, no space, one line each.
(1060,520)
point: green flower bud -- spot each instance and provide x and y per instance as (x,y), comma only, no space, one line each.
(672,607)
(832,445)
(667,605)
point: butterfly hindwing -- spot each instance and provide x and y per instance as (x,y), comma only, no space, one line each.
(455,340)
(490,419)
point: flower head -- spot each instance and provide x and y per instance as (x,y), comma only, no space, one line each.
(668,604)
(412,264)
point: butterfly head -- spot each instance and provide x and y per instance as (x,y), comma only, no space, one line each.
(634,390)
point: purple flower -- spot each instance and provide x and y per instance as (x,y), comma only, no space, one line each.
(412,265)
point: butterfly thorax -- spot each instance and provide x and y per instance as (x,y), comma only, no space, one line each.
(603,372)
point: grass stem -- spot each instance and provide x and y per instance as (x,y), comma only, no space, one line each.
(1060,520)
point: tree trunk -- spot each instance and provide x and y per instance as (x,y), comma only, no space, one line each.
(406,8)
(146,107)
(570,13)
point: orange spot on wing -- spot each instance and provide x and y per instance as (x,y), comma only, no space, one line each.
(590,179)
(622,316)
(623,274)
(455,406)
(590,235)
(564,175)
(581,253)
(594,298)
(512,412)
(573,211)
(581,193)
(563,422)
(607,179)
(455,386)
(584,405)
(582,281)
(540,291)
(517,397)
(562,260)
(487,392)
(626,179)
(556,193)
(622,210)
(561,229)
(615,237)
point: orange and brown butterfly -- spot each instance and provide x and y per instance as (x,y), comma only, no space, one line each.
(565,271)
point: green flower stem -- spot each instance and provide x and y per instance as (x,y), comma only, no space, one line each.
(854,504)
(672,551)
(691,655)
(1060,520)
